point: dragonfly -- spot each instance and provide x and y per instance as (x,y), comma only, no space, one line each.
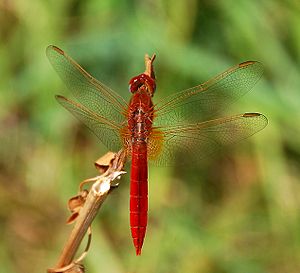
(184,123)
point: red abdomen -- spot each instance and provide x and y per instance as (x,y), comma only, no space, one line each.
(138,194)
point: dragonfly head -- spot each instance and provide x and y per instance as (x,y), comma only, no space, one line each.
(142,81)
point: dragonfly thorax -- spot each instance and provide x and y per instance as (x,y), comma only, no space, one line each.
(140,115)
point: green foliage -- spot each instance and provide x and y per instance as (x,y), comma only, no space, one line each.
(237,213)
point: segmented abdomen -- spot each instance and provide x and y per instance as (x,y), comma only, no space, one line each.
(138,194)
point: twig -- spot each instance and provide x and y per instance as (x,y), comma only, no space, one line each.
(100,189)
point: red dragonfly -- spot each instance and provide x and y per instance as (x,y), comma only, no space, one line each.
(157,132)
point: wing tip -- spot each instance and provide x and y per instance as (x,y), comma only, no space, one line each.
(252,115)
(249,63)
(246,115)
(60,98)
(246,63)
(55,48)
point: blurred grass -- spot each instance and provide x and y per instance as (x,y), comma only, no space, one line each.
(237,213)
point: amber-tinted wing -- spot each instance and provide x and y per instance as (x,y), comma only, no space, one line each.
(206,100)
(197,141)
(91,93)
(109,132)
(101,109)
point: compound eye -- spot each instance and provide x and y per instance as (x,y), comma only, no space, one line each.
(135,83)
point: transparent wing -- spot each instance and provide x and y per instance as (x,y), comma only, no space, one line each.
(197,141)
(113,135)
(91,93)
(204,101)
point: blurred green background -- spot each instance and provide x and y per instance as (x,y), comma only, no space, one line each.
(239,212)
